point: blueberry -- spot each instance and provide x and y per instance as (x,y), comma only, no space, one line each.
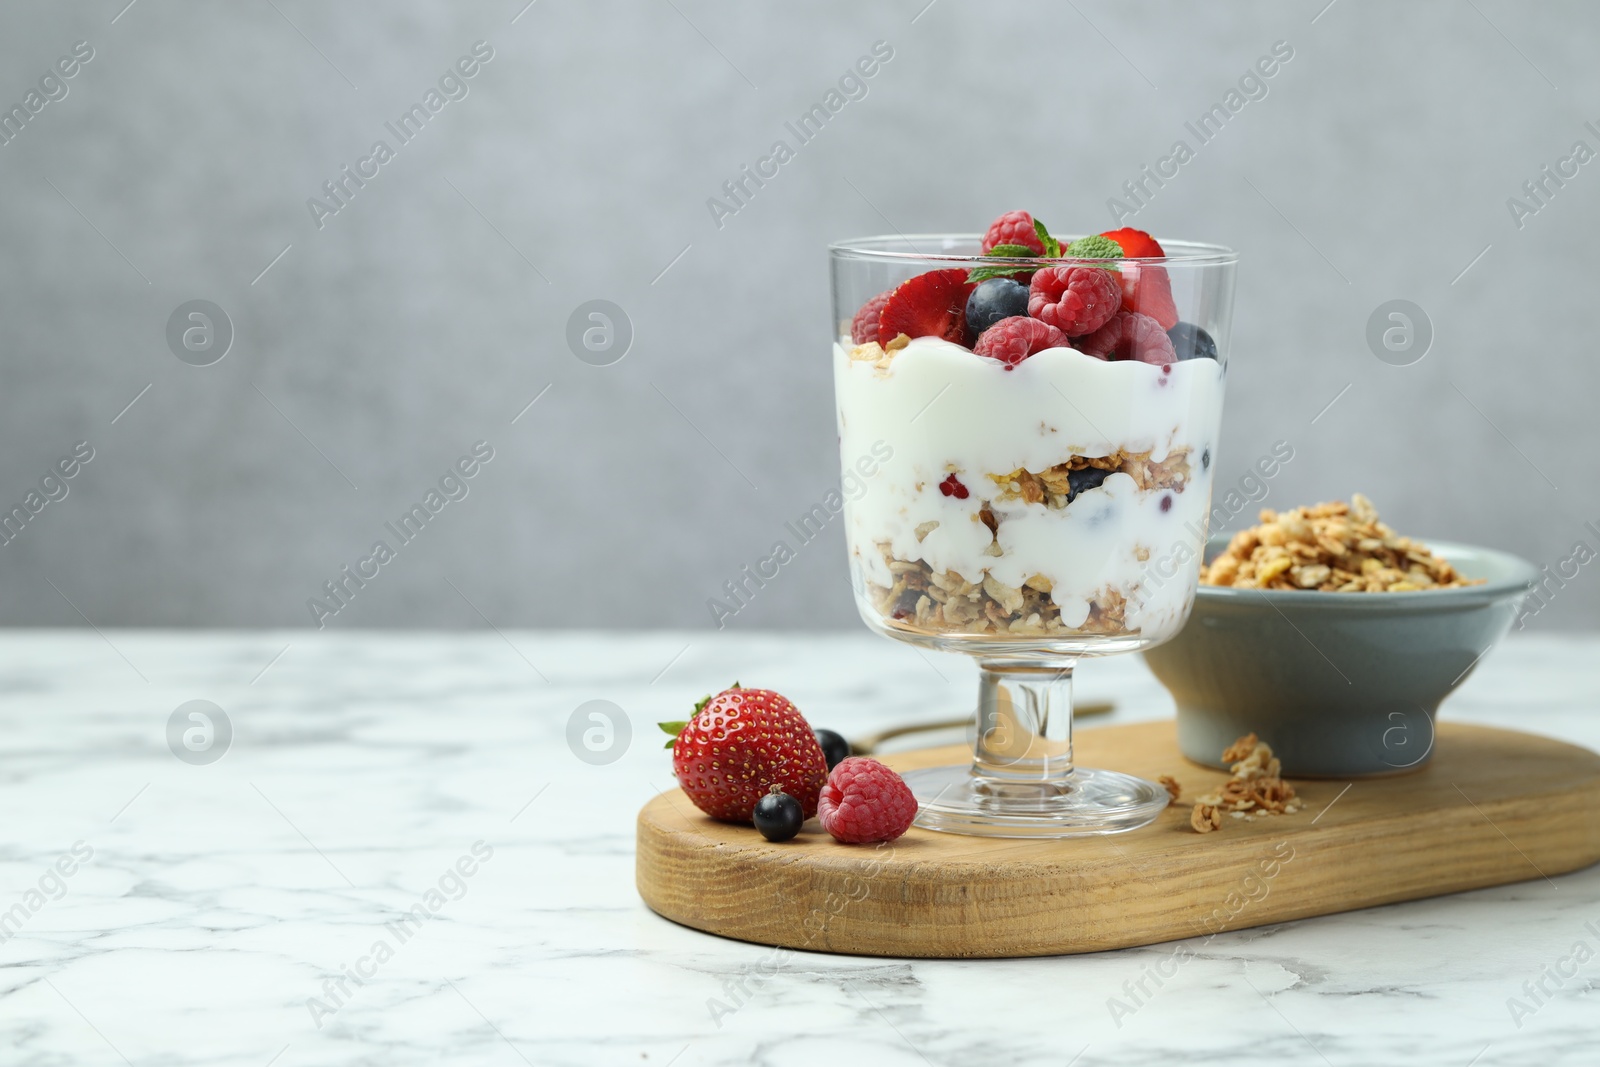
(993,300)
(834,747)
(1192,342)
(778,815)
(1081,481)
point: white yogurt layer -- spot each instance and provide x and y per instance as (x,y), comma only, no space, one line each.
(943,409)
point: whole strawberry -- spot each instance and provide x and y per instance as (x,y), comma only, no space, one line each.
(740,743)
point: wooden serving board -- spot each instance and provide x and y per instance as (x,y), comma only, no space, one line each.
(1493,806)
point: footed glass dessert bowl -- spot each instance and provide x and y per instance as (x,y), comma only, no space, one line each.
(1026,430)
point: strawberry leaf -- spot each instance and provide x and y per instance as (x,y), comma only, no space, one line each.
(701,704)
(673,728)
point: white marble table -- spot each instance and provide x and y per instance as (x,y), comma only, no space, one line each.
(218,900)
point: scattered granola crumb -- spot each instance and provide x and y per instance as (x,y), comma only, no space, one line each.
(1172,787)
(1240,748)
(1331,548)
(879,355)
(1256,787)
(1205,818)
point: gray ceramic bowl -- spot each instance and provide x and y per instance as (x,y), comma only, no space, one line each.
(1341,685)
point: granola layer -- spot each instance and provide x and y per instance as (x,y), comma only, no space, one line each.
(1052,486)
(922,598)
(934,602)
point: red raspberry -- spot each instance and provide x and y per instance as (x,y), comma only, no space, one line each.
(1131,335)
(1075,300)
(1014,339)
(952,486)
(865,801)
(1135,244)
(1148,290)
(864,327)
(930,305)
(1013,228)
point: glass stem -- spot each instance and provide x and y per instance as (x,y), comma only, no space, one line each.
(1024,722)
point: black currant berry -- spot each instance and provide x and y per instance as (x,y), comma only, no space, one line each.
(778,815)
(834,747)
(1084,479)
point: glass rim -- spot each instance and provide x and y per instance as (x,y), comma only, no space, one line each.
(1185,253)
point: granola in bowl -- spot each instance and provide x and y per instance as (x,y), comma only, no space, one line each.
(1345,686)
(1332,548)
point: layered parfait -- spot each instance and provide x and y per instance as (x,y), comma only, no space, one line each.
(1050,424)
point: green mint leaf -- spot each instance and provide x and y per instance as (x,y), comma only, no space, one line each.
(1095,247)
(983,274)
(1052,247)
(980,274)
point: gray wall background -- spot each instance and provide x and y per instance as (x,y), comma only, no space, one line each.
(427,313)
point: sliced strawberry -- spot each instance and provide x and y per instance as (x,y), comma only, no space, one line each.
(930,305)
(1148,291)
(1136,244)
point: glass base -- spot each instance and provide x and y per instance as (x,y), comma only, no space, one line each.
(954,800)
